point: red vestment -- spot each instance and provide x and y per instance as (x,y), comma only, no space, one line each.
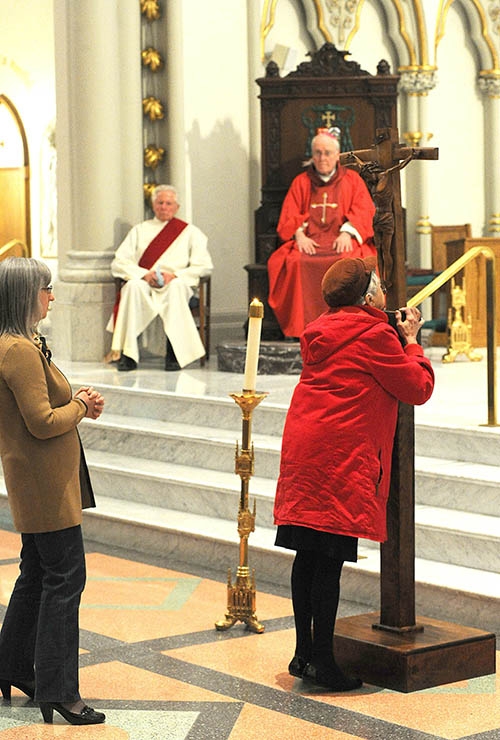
(295,278)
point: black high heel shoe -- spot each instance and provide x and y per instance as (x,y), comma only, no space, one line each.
(27,687)
(87,716)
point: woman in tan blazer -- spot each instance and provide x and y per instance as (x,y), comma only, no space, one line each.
(47,485)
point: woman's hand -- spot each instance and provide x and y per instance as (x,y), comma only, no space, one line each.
(411,325)
(92,400)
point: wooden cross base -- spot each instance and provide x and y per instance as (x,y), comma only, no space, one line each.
(410,661)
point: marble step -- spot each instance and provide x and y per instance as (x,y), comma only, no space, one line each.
(452,536)
(188,408)
(184,444)
(439,482)
(458,485)
(443,591)
(474,444)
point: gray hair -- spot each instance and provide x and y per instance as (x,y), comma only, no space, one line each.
(372,287)
(21,279)
(161,189)
(309,161)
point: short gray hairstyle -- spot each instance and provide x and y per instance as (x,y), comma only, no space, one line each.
(21,279)
(372,286)
(161,189)
(309,161)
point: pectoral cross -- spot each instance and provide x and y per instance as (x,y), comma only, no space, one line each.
(324,206)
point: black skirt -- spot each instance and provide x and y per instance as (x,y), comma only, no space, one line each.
(336,546)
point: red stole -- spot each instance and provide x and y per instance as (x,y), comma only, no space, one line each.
(162,241)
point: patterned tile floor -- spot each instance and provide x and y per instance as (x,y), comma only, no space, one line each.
(152,660)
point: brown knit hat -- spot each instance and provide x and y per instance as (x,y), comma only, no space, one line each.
(346,280)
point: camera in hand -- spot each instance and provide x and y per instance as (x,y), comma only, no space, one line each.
(391,315)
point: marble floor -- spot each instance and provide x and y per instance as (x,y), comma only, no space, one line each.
(152,660)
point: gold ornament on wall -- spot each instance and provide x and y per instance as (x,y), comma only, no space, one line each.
(148,188)
(153,108)
(152,58)
(151,9)
(153,156)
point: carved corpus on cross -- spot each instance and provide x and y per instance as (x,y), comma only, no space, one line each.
(324,205)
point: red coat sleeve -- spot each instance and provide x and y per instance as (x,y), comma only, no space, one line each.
(404,373)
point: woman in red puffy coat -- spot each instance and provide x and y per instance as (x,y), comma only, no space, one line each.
(337,447)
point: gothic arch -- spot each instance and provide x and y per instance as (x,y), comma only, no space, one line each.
(15,186)
(477,20)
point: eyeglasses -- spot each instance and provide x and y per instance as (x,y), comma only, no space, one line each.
(383,287)
(48,288)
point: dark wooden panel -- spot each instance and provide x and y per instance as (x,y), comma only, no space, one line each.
(407,661)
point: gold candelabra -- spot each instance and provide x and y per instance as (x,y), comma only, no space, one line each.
(241,596)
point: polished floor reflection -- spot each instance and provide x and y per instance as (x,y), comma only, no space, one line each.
(152,660)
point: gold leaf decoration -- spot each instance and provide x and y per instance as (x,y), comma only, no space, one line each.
(153,108)
(153,156)
(151,9)
(148,188)
(152,58)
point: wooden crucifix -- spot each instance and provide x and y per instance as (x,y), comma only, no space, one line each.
(390,649)
(383,163)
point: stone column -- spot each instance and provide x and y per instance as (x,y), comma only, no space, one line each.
(99,143)
(489,84)
(416,83)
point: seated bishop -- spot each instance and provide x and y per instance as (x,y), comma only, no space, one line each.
(327,214)
(161,260)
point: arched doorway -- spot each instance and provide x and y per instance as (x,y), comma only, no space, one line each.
(14,177)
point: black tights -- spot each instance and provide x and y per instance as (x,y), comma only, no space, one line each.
(315,598)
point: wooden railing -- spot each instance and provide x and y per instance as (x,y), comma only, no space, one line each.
(491,315)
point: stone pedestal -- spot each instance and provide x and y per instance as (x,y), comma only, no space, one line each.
(275,358)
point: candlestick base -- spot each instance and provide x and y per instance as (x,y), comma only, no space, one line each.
(241,598)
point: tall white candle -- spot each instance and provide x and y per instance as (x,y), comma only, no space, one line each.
(255,316)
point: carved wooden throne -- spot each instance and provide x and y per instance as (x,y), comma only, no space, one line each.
(326,91)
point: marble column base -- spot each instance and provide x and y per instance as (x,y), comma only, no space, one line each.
(78,320)
(275,358)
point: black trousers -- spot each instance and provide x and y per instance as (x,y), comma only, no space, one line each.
(40,633)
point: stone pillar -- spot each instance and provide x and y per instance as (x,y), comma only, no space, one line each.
(489,84)
(99,143)
(416,82)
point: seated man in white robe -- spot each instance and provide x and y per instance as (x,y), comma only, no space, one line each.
(161,260)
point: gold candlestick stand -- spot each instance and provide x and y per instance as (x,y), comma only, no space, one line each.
(241,596)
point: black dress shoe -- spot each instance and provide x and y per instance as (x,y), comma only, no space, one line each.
(330,678)
(126,363)
(171,365)
(296,666)
(27,687)
(87,716)
(170,359)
